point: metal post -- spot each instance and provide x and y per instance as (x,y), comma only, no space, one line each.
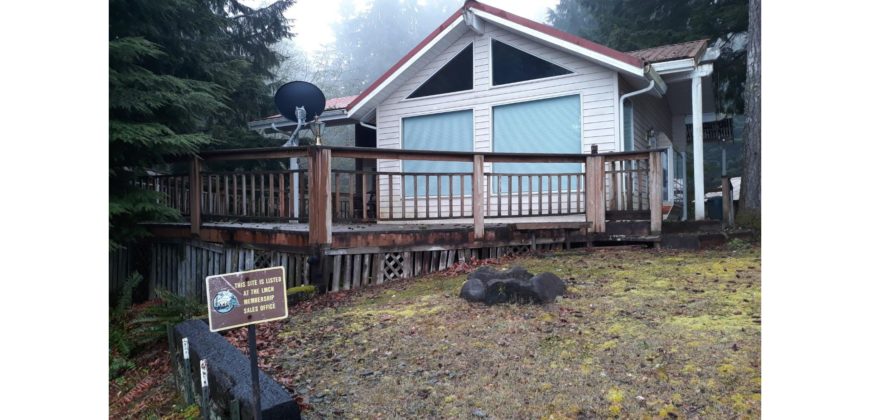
(185,376)
(203,377)
(255,371)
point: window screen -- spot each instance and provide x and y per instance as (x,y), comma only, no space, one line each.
(451,131)
(455,76)
(512,65)
(543,126)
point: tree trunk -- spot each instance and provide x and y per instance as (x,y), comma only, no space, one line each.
(750,188)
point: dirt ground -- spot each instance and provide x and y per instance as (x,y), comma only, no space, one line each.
(641,334)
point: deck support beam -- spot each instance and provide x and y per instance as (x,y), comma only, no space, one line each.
(698,145)
(320,197)
(595,193)
(477,197)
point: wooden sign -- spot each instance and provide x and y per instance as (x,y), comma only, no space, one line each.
(245,298)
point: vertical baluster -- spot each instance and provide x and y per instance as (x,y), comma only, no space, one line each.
(529,196)
(510,195)
(404,199)
(270,202)
(540,194)
(578,193)
(281,197)
(629,188)
(427,196)
(390,188)
(461,195)
(549,194)
(438,197)
(488,194)
(498,194)
(352,192)
(450,195)
(559,189)
(365,196)
(416,193)
(291,197)
(209,203)
(244,182)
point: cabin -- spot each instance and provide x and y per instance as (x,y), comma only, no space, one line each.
(496,135)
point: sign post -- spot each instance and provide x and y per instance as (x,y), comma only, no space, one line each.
(247,298)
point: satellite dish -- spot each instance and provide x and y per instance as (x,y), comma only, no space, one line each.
(293,95)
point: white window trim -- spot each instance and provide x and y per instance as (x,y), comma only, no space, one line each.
(491,85)
(409,99)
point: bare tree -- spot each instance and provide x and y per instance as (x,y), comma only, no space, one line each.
(750,188)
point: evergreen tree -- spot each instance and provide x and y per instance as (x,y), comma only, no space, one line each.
(628,25)
(183,75)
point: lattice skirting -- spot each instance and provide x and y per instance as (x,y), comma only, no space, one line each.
(181,267)
(350,271)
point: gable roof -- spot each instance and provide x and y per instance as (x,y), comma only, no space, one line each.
(690,49)
(596,52)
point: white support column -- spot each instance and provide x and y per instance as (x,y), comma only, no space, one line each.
(685,215)
(698,146)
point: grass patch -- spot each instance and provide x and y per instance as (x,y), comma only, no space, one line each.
(640,334)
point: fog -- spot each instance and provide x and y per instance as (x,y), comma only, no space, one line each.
(344,45)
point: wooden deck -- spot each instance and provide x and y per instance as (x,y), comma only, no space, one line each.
(346,228)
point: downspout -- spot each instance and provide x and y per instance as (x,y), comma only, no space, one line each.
(621,135)
(621,139)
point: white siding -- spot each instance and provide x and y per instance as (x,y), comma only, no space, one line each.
(596,84)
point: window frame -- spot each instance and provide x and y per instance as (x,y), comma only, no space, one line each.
(461,50)
(491,80)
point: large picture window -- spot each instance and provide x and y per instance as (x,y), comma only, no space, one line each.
(542,126)
(450,131)
(455,76)
(510,65)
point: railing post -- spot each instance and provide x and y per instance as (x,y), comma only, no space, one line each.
(195,195)
(727,202)
(655,192)
(320,199)
(477,196)
(595,194)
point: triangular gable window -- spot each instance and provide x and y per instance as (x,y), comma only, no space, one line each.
(455,76)
(511,65)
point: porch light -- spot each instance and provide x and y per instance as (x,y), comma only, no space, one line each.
(317,129)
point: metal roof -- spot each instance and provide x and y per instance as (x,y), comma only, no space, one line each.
(690,49)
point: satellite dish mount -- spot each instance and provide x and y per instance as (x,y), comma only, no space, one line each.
(296,101)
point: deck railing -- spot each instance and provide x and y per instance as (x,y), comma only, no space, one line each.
(321,195)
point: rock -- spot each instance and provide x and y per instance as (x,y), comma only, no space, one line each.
(515,285)
(478,413)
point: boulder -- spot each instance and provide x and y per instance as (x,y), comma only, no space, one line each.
(515,285)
